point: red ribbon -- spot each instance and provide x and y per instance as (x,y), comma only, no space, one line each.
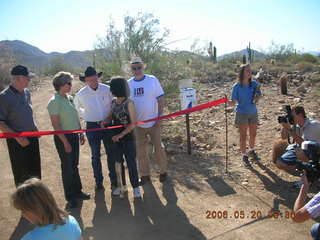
(171,115)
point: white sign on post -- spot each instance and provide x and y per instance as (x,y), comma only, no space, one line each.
(188,98)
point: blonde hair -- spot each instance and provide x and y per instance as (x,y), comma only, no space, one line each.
(34,196)
(60,79)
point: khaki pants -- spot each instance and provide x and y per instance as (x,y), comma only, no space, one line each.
(142,149)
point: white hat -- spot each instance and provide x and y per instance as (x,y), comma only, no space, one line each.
(136,60)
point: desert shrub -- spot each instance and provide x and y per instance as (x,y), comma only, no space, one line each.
(309,58)
(305,66)
(4,76)
(280,52)
(7,61)
(303,58)
(56,65)
(141,36)
(171,89)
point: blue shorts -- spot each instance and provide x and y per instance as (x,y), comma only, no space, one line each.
(290,156)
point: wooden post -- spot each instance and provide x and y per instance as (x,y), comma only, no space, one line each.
(188,134)
(227,149)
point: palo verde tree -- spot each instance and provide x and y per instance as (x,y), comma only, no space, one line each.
(141,36)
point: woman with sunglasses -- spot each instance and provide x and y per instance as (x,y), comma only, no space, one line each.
(64,116)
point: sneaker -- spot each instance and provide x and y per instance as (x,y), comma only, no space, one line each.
(83,196)
(253,155)
(136,192)
(116,192)
(144,180)
(245,160)
(163,177)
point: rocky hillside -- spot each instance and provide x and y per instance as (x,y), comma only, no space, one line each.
(208,126)
(32,56)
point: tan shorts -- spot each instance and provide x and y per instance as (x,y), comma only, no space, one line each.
(246,118)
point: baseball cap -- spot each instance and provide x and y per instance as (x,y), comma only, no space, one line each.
(20,70)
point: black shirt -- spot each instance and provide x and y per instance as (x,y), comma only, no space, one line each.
(121,116)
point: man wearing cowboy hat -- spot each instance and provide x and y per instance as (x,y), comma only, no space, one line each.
(147,94)
(16,115)
(93,103)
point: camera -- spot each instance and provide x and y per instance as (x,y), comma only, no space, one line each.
(312,167)
(287,118)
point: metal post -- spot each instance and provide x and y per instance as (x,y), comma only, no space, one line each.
(227,149)
(188,133)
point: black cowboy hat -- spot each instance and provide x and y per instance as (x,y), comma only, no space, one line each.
(90,71)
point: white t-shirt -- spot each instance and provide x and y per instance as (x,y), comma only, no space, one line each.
(145,94)
(93,105)
(311,130)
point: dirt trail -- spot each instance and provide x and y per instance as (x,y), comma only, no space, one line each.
(174,210)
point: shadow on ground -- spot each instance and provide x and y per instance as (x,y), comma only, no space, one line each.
(149,218)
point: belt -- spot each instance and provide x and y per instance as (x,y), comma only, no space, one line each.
(94,122)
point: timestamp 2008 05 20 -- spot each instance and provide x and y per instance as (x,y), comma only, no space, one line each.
(242,214)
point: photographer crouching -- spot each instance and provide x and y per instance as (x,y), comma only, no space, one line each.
(297,125)
(310,210)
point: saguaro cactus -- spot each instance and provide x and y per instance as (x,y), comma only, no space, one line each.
(249,50)
(212,54)
(210,49)
(244,59)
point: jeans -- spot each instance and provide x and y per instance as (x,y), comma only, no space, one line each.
(94,139)
(128,149)
(69,166)
(315,231)
(290,156)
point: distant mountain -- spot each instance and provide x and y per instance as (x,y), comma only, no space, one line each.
(37,59)
(314,53)
(257,54)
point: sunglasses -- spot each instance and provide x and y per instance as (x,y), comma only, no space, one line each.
(136,68)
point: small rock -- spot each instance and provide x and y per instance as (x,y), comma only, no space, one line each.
(311,114)
(296,82)
(296,100)
(301,89)
(229,109)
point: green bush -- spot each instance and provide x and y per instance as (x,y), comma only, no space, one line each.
(309,58)
(4,76)
(303,58)
(7,61)
(141,36)
(305,67)
(56,65)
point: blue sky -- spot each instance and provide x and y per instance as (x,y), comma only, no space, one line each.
(64,25)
